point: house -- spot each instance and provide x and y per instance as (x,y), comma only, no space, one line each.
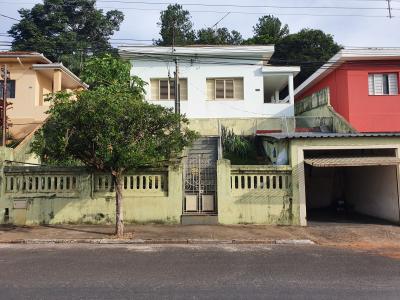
(231,85)
(32,77)
(362,86)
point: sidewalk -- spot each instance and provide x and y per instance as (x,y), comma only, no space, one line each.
(357,236)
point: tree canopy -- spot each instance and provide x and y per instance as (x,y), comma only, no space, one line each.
(219,36)
(66,31)
(309,48)
(176,27)
(268,30)
(110,128)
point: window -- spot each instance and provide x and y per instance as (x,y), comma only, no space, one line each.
(164,89)
(383,84)
(10,88)
(225,89)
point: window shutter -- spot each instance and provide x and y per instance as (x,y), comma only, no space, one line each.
(229,89)
(183,89)
(172,89)
(210,89)
(393,84)
(155,91)
(378,84)
(219,89)
(163,89)
(371,90)
(239,90)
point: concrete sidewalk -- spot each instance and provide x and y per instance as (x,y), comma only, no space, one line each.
(327,234)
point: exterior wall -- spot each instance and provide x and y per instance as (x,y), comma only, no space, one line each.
(85,202)
(197,107)
(338,85)
(373,191)
(348,85)
(253,201)
(372,113)
(298,146)
(28,106)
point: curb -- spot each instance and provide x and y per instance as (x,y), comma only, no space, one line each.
(156,242)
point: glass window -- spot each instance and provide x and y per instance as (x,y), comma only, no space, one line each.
(10,88)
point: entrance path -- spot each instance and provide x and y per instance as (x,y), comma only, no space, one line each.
(380,239)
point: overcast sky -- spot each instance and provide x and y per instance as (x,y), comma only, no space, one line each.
(354,31)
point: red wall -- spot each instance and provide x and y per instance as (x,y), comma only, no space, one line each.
(348,86)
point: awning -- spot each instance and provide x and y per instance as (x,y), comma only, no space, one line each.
(326,162)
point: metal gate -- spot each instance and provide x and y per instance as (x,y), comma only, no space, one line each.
(200,176)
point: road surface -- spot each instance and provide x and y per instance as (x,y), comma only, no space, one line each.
(194,272)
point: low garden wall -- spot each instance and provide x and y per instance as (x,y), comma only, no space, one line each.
(48,195)
(255,195)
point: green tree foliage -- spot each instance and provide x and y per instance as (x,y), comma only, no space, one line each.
(309,48)
(268,30)
(176,27)
(65,30)
(110,128)
(220,36)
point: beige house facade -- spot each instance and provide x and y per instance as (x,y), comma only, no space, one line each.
(32,77)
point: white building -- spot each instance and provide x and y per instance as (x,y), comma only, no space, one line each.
(216,82)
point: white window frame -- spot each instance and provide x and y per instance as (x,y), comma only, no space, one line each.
(225,80)
(372,84)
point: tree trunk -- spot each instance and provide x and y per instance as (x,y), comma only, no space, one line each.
(119,222)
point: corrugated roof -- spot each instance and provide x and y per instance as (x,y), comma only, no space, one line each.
(326,162)
(319,135)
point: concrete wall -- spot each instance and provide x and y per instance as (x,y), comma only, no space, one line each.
(254,204)
(83,204)
(197,107)
(373,191)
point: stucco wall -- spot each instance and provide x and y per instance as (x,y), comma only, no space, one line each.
(84,205)
(373,191)
(197,106)
(254,205)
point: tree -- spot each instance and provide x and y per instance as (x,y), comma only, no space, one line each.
(309,48)
(176,27)
(268,30)
(220,36)
(66,31)
(110,128)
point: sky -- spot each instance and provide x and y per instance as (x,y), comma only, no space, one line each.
(353,23)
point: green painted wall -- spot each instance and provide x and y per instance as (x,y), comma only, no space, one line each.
(82,205)
(253,205)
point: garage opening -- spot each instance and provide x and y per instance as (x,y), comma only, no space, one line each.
(352,186)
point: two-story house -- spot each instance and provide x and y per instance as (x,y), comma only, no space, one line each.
(32,77)
(363,87)
(231,84)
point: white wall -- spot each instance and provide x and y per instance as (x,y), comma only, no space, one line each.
(197,106)
(373,191)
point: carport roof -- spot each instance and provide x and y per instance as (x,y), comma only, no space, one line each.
(326,162)
(319,135)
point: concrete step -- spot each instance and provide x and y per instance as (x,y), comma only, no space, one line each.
(199,219)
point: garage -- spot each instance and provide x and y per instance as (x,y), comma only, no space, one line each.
(352,186)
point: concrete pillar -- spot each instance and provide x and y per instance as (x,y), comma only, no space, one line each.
(224,191)
(175,192)
(57,77)
(277,96)
(291,88)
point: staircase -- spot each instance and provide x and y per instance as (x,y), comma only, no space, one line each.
(206,147)
(202,159)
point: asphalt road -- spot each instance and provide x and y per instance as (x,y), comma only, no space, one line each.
(194,272)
